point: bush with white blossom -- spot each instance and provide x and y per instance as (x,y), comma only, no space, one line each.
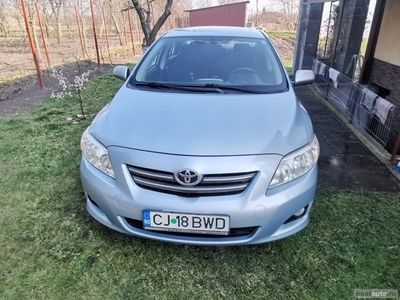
(73,89)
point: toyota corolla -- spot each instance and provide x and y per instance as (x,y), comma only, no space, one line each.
(205,143)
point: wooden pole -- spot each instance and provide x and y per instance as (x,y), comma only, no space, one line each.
(31,44)
(106,32)
(94,34)
(42,34)
(130,31)
(79,30)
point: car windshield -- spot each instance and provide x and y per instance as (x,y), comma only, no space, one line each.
(237,64)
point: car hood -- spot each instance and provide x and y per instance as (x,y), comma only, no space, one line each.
(203,124)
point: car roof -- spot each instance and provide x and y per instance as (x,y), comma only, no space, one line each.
(216,31)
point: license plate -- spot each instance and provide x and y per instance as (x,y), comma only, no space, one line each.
(182,222)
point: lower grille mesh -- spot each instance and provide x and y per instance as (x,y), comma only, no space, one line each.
(234,232)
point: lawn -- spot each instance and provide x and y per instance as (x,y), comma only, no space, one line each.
(51,249)
(282,34)
(288,64)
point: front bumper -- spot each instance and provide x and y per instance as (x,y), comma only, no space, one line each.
(115,202)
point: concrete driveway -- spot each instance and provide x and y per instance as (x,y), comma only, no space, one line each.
(345,163)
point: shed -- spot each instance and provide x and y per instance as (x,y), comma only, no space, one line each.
(233,14)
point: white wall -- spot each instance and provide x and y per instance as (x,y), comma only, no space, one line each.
(388,45)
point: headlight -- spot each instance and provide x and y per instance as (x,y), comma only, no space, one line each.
(296,164)
(96,153)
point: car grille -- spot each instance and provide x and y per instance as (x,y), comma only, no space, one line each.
(234,232)
(210,185)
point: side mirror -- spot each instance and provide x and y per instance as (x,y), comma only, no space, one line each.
(121,72)
(302,77)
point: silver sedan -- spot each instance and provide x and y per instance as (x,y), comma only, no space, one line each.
(205,143)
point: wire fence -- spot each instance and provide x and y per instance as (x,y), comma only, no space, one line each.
(108,34)
(362,107)
(16,60)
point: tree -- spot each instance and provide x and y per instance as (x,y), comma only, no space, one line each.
(3,21)
(290,10)
(10,13)
(223,2)
(56,10)
(83,8)
(145,16)
(32,21)
(195,4)
(114,20)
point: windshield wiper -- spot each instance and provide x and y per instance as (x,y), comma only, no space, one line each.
(153,84)
(195,88)
(230,87)
(208,87)
(220,88)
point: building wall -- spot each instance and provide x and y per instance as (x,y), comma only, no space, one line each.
(387,76)
(388,45)
(224,15)
(385,66)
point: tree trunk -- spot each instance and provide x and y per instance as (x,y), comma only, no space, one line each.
(115,24)
(3,29)
(20,27)
(84,36)
(137,29)
(46,24)
(36,41)
(101,30)
(59,31)
(31,16)
(102,24)
(45,21)
(150,34)
(65,13)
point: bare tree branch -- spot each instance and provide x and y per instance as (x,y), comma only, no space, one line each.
(144,14)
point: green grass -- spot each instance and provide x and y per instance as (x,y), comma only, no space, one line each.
(282,34)
(288,64)
(286,35)
(51,249)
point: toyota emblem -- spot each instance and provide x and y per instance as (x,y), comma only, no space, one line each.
(188,177)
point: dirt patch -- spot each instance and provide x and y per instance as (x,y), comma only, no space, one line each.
(19,89)
(16,59)
(23,94)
